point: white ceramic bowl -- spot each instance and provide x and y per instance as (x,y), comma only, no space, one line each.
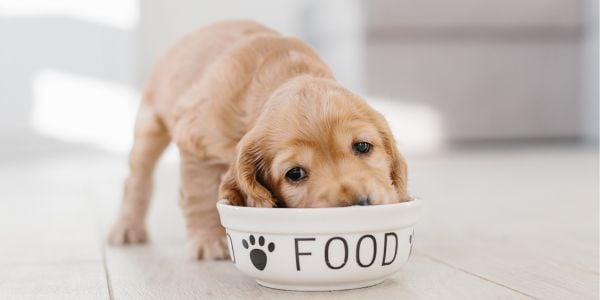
(320,249)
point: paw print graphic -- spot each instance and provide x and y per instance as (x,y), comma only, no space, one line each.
(258,256)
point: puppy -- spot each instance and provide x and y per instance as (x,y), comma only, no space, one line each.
(259,120)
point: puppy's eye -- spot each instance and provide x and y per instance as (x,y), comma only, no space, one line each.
(361,147)
(295,174)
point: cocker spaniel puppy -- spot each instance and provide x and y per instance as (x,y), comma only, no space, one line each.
(259,120)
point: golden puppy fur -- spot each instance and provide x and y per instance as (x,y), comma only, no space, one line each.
(245,105)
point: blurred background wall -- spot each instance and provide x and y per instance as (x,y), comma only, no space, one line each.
(443,71)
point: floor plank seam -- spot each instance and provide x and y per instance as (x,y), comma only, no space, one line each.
(49,263)
(95,207)
(105,266)
(476,275)
(106,274)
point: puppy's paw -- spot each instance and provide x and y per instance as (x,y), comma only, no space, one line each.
(209,247)
(126,232)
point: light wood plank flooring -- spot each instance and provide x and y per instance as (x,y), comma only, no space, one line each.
(513,222)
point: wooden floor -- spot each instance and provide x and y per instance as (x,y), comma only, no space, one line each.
(498,223)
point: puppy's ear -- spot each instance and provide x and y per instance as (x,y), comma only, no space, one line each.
(244,182)
(398,164)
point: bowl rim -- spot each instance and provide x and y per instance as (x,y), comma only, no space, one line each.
(328,220)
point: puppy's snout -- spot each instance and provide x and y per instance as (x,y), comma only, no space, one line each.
(362,201)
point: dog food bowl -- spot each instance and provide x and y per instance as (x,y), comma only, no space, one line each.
(320,249)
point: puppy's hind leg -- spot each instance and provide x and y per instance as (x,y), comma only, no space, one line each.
(151,138)
(199,191)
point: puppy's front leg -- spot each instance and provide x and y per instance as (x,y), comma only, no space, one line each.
(199,191)
(151,138)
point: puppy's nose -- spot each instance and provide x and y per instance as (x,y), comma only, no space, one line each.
(362,201)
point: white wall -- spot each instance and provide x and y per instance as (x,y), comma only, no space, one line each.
(88,39)
(488,70)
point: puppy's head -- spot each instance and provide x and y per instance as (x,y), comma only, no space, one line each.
(316,145)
